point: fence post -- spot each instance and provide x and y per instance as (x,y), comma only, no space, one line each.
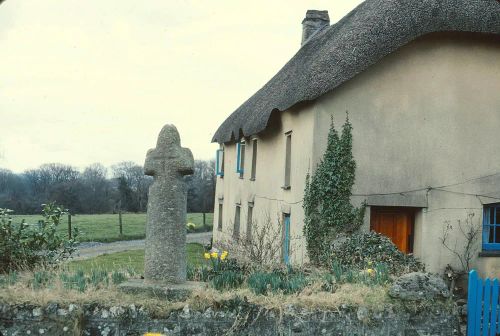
(471,303)
(69,225)
(120,221)
(204,221)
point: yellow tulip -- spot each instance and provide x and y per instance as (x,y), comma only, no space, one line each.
(206,255)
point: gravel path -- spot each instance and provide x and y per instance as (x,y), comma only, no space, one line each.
(89,250)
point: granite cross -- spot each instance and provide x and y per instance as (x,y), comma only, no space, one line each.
(165,255)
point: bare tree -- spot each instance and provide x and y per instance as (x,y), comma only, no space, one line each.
(264,248)
(468,233)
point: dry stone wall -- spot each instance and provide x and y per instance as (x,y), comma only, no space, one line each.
(231,319)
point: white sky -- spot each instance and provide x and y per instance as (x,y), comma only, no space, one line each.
(94,81)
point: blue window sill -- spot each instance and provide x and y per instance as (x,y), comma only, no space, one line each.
(488,254)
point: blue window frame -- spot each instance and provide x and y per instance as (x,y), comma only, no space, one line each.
(240,159)
(219,162)
(491,227)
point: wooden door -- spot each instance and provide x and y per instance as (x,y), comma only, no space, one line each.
(395,223)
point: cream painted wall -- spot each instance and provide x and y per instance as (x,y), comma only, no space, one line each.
(427,115)
(270,199)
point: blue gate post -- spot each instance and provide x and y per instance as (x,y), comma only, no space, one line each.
(495,319)
(471,303)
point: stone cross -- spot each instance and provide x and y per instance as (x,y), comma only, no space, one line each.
(165,258)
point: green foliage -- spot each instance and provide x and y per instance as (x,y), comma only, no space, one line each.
(288,282)
(360,250)
(25,246)
(8,279)
(222,274)
(98,277)
(118,277)
(372,274)
(41,279)
(76,281)
(227,279)
(327,207)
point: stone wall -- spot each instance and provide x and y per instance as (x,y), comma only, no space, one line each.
(231,319)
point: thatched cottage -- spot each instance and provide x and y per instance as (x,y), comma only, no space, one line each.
(421,82)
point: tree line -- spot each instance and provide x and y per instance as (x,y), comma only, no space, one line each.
(97,189)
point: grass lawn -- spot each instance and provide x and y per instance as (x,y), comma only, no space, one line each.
(130,260)
(105,228)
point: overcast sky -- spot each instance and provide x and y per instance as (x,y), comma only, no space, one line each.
(94,81)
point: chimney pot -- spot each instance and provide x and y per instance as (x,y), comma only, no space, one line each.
(315,20)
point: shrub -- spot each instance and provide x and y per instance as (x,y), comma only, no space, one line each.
(25,246)
(263,248)
(357,251)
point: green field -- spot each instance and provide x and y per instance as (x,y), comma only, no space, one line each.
(130,260)
(105,228)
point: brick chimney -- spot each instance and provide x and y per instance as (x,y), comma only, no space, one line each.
(314,21)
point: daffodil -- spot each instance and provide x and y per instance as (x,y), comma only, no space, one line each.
(206,255)
(153,334)
(370,271)
(214,254)
(223,255)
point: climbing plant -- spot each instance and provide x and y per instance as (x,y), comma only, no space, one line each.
(327,205)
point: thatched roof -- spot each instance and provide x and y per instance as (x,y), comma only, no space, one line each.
(333,56)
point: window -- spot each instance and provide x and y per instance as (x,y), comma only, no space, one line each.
(249,221)
(219,223)
(240,160)
(219,162)
(491,227)
(288,160)
(254,159)
(236,230)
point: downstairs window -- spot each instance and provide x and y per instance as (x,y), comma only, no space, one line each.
(491,228)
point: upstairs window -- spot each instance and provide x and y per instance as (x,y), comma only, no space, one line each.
(254,159)
(288,160)
(219,162)
(240,159)
(491,227)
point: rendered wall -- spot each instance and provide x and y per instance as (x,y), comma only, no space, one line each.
(270,200)
(426,116)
